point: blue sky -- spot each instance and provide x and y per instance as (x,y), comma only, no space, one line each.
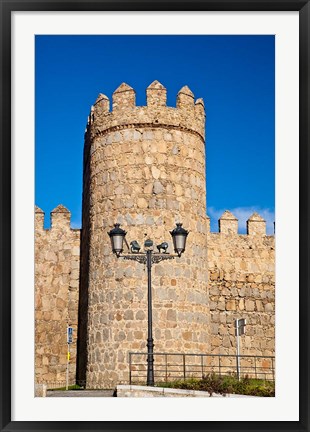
(233,74)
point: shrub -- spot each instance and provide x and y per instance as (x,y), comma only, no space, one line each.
(223,384)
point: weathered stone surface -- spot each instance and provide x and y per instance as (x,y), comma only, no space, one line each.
(268,307)
(228,223)
(57,257)
(230,305)
(241,267)
(155,173)
(158,187)
(249,305)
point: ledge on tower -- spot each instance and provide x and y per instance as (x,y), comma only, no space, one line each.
(156,94)
(102,104)
(39,218)
(200,113)
(185,98)
(200,101)
(37,210)
(228,223)
(124,97)
(200,106)
(60,217)
(256,225)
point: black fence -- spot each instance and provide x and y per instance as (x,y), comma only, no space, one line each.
(174,366)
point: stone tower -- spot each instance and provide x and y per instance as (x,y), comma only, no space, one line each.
(144,167)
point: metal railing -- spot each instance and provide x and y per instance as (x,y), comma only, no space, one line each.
(174,366)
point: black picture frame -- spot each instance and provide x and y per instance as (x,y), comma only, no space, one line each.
(6,8)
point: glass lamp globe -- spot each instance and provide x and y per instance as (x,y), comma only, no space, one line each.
(117,236)
(179,236)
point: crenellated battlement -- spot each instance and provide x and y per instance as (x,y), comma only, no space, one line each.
(60,219)
(228,224)
(189,115)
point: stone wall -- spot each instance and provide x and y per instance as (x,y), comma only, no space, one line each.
(242,285)
(57,261)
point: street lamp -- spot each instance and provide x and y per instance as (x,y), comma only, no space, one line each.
(117,236)
(179,235)
(148,257)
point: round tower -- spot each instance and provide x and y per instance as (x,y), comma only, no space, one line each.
(144,168)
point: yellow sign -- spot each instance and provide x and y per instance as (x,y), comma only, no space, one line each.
(68,356)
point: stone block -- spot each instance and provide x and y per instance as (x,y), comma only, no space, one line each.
(128,314)
(142,203)
(226,342)
(155,172)
(221,306)
(161,147)
(171,315)
(268,307)
(214,329)
(148,188)
(249,305)
(140,315)
(231,305)
(158,187)
(187,335)
(149,160)
(259,305)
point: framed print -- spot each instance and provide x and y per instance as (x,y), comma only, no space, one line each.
(171,265)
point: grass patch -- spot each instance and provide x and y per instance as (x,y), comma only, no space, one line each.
(71,387)
(223,384)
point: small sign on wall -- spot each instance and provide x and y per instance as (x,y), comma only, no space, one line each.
(240,326)
(69,335)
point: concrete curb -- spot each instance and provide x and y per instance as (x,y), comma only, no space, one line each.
(143,391)
(40,390)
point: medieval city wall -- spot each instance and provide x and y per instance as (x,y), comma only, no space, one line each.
(242,285)
(57,261)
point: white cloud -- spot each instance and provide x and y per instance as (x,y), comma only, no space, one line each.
(242,214)
(76,224)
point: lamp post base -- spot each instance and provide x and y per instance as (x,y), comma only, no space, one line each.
(150,363)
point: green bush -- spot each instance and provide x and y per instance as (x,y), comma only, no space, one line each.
(223,384)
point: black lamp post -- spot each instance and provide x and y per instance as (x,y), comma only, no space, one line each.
(148,257)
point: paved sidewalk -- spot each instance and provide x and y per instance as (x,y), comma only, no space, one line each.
(79,393)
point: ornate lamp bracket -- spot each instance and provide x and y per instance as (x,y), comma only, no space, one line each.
(156,258)
(142,259)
